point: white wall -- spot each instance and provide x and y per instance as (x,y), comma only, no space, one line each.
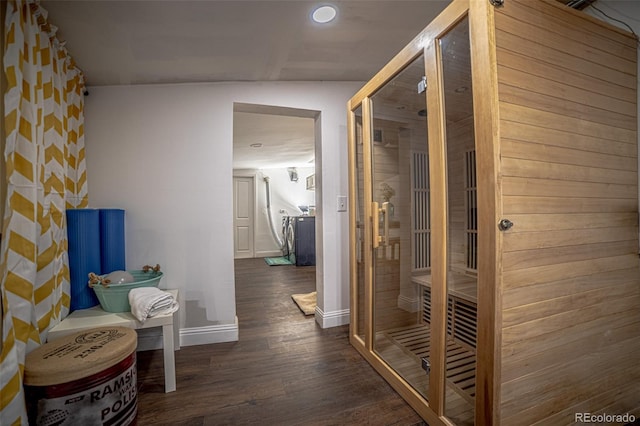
(164,154)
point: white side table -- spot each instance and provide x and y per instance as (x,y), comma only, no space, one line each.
(96,317)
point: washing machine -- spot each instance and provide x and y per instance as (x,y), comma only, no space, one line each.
(289,239)
(286,244)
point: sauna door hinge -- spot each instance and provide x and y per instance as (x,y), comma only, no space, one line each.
(426,365)
(422,85)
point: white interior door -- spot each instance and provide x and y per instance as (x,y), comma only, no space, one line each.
(243,212)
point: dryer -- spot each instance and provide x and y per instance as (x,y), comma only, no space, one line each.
(302,236)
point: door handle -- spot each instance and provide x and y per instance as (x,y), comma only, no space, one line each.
(375,209)
(385,215)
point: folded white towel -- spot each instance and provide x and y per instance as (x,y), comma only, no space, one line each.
(148,302)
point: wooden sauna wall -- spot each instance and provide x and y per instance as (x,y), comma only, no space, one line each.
(571,291)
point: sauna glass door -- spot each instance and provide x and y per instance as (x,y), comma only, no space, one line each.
(461,252)
(400,212)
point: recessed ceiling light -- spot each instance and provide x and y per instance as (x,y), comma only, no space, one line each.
(256,145)
(324,14)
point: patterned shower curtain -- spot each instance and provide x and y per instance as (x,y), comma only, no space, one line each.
(45,174)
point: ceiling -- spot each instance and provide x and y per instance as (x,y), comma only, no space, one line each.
(182,41)
(266,141)
(150,41)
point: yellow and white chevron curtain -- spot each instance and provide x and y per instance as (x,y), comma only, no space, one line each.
(45,174)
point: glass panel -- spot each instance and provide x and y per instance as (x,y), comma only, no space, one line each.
(359,166)
(462,225)
(401,187)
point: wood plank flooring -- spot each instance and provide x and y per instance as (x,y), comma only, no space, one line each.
(284,370)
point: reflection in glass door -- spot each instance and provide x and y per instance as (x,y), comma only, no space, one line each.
(359,231)
(400,211)
(462,230)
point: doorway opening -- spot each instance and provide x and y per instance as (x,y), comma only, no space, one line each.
(275,185)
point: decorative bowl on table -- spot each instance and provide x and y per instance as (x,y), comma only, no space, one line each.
(114,295)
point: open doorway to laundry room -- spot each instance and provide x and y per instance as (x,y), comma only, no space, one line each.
(275,197)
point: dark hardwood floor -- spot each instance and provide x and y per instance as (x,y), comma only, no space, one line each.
(284,370)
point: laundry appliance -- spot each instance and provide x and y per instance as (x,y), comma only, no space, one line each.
(300,240)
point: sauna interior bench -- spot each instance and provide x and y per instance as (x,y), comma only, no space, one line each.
(459,285)
(83,319)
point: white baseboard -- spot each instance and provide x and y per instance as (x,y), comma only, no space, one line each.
(333,318)
(151,339)
(409,304)
(209,334)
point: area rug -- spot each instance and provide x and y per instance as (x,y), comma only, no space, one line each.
(306,302)
(275,261)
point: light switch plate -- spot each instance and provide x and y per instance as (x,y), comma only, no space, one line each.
(342,203)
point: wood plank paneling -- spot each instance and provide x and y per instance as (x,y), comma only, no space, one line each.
(538,257)
(517,21)
(571,290)
(545,16)
(561,343)
(574,125)
(566,204)
(560,305)
(512,148)
(574,237)
(559,188)
(559,386)
(572,64)
(624,397)
(554,73)
(563,171)
(515,73)
(572,221)
(517,131)
(567,319)
(524,295)
(532,362)
(564,107)
(586,24)
(542,274)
